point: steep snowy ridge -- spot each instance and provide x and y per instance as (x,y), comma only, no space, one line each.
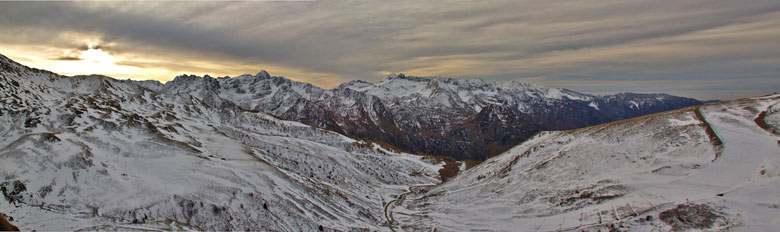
(91,152)
(652,173)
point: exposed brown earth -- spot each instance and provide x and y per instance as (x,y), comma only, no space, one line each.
(5,225)
(690,216)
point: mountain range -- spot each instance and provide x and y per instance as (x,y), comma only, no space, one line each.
(257,152)
(462,119)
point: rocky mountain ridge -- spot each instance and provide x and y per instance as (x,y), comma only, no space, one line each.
(463,119)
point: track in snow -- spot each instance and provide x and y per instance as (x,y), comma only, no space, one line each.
(388,208)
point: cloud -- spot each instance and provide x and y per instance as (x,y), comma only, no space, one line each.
(630,42)
(67,58)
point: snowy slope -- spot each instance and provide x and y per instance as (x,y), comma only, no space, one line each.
(616,175)
(91,152)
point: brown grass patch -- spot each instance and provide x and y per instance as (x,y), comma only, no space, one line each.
(449,170)
(690,216)
(472,163)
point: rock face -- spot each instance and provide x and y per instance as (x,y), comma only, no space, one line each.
(463,119)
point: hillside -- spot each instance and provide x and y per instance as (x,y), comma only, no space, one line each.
(94,153)
(711,167)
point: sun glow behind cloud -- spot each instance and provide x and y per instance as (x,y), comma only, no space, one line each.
(96,56)
(84,60)
(94,61)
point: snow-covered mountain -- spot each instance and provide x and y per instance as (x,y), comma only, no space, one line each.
(93,153)
(714,167)
(464,119)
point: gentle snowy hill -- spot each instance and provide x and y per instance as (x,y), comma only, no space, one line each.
(91,152)
(711,167)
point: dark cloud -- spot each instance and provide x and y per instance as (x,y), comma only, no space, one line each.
(629,42)
(67,58)
(85,47)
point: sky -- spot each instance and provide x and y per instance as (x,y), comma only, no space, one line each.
(714,49)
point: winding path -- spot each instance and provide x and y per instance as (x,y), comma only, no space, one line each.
(388,209)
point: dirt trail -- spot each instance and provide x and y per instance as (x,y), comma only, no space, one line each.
(450,169)
(388,209)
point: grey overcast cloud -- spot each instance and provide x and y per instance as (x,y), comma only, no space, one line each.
(719,49)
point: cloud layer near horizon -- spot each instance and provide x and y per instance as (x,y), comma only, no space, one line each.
(704,49)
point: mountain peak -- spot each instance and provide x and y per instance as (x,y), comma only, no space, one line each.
(185,77)
(446,80)
(354,84)
(263,74)
(402,76)
(393,76)
(9,65)
(4,59)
